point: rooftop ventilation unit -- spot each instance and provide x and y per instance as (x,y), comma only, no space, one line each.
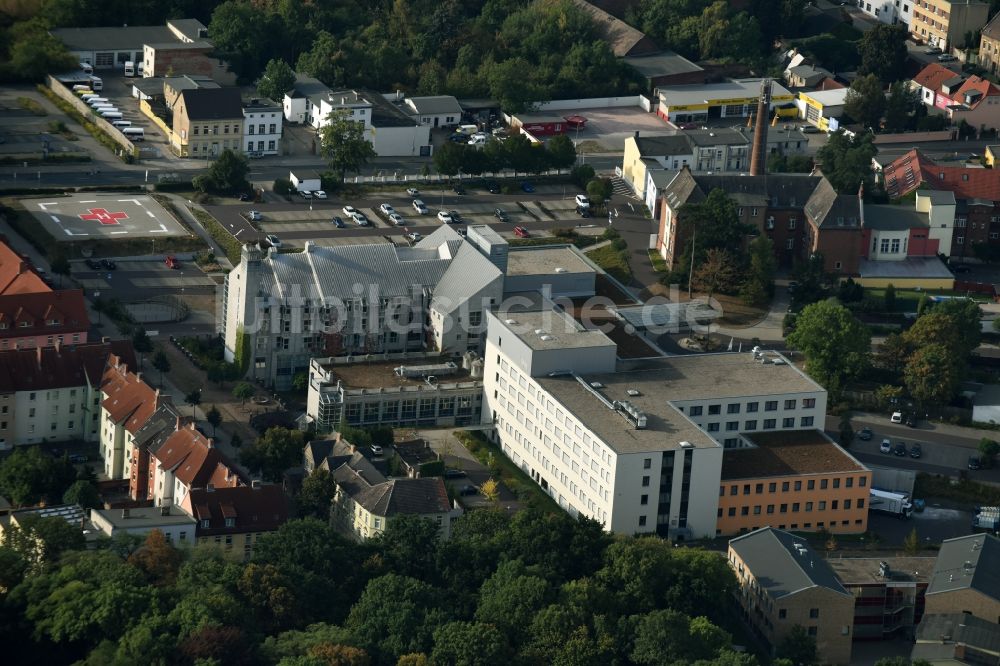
(408,371)
(546,338)
(561,270)
(687,445)
(510,321)
(635,415)
(633,392)
(596,385)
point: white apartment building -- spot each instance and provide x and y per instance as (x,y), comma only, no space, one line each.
(262,127)
(284,309)
(888,11)
(635,445)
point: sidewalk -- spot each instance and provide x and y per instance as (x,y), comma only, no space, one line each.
(192,221)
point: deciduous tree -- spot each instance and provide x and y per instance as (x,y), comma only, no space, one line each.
(161,362)
(561,152)
(274,452)
(397,615)
(883,52)
(836,345)
(847,162)
(344,144)
(157,559)
(317,494)
(932,376)
(243,392)
(798,647)
(214,418)
(471,644)
(82,493)
(865,101)
(717,272)
(277,79)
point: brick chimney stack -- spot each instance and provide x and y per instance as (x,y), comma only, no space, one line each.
(758,155)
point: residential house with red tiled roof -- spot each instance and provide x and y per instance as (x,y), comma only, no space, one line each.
(185,460)
(934,80)
(17,276)
(235,519)
(976,193)
(42,319)
(127,402)
(53,393)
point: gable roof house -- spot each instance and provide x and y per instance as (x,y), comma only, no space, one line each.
(127,402)
(206,121)
(17,275)
(783,583)
(365,502)
(234,519)
(973,99)
(54,393)
(956,638)
(966,578)
(43,318)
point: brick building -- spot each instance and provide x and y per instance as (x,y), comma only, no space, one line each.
(798,480)
(967,578)
(206,121)
(975,190)
(782,583)
(43,319)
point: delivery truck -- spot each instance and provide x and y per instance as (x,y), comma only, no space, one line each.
(890,502)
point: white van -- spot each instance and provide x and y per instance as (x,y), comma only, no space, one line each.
(87,68)
(96,83)
(86,97)
(104,106)
(130,69)
(111,115)
(122,124)
(78,87)
(468,130)
(93,101)
(134,133)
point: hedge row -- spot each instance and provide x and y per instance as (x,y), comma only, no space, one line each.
(226,241)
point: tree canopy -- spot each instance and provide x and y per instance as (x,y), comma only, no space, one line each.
(847,162)
(837,346)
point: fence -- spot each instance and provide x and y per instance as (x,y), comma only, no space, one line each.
(396,177)
(88,114)
(976,288)
(147,111)
(595,103)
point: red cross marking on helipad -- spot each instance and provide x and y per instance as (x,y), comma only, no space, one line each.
(103,216)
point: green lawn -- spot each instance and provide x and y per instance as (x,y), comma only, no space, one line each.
(505,471)
(659,264)
(615,262)
(907,299)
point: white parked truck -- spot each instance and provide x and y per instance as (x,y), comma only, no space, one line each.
(892,503)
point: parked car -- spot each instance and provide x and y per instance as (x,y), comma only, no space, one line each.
(456,217)
(273,240)
(500,214)
(900,449)
(420,207)
(414,236)
(932,50)
(319,194)
(413,192)
(454,474)
(245,197)
(911,420)
(897,417)
(583,211)
(337,222)
(960,268)
(792,286)
(687,126)
(376,450)
(526,186)
(915,451)
(582,201)
(865,434)
(809,129)
(946,57)
(521,232)
(254,215)
(78,458)
(306,194)
(359,219)
(885,446)
(93,264)
(468,490)
(397,219)
(458,138)
(387,209)
(109,264)
(458,188)
(975,463)
(349,210)
(493,187)
(445,217)
(172,262)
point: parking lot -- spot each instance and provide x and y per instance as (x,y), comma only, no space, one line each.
(610,127)
(90,216)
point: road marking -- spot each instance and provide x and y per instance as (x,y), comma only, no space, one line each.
(118,233)
(91,201)
(135,201)
(158,231)
(150,213)
(47,203)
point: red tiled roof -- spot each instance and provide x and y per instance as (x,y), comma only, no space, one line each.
(17,275)
(195,461)
(830,84)
(975,84)
(933,75)
(28,314)
(128,399)
(906,173)
(62,366)
(260,509)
